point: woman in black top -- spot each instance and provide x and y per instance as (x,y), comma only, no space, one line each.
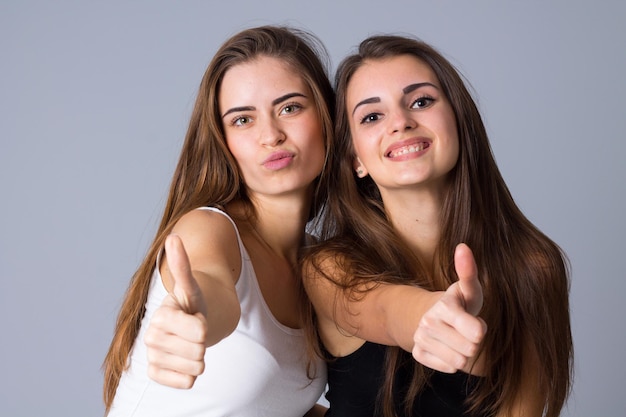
(414,178)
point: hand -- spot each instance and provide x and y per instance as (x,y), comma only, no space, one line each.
(449,334)
(176,336)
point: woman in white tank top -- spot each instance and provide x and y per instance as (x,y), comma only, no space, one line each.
(210,324)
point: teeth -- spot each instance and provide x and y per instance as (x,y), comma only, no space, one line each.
(407,150)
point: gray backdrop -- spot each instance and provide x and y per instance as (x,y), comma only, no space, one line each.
(95,99)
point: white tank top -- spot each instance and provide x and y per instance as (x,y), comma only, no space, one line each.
(259,370)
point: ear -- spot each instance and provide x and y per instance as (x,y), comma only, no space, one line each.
(358,166)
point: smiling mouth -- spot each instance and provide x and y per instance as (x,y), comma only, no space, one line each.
(405,150)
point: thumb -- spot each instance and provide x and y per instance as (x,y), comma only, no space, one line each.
(470,288)
(186,290)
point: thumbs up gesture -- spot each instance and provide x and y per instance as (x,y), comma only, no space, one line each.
(449,334)
(176,336)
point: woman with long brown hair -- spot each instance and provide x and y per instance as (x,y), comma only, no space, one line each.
(414,180)
(214,307)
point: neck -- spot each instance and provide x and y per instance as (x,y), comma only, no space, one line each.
(416,216)
(280,223)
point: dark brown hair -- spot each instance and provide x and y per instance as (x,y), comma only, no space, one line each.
(207,174)
(524,274)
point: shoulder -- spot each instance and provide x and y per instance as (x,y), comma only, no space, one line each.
(320,270)
(323,263)
(210,241)
(205,224)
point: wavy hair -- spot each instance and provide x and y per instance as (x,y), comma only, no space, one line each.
(207,173)
(525,275)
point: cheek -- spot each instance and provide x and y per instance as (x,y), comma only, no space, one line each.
(367,148)
(359,141)
(453,147)
(455,158)
(233,150)
(231,142)
(240,153)
(449,127)
(358,151)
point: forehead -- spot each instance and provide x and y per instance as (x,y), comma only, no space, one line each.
(259,77)
(394,72)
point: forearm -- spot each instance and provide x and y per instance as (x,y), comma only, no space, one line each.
(381,313)
(390,314)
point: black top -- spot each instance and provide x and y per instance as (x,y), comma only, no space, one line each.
(354,382)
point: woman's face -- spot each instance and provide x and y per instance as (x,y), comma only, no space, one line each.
(403,127)
(272,126)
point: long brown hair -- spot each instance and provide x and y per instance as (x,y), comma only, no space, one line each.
(524,274)
(207,174)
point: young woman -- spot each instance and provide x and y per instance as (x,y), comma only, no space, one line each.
(216,312)
(414,179)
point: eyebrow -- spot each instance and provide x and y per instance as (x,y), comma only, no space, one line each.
(366,101)
(238,109)
(406,90)
(410,88)
(286,97)
(274,102)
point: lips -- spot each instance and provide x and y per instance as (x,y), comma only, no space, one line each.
(277,155)
(278,160)
(407,147)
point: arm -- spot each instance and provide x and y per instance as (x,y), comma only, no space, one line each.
(199,269)
(435,326)
(386,314)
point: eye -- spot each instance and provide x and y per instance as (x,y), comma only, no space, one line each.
(370,118)
(241,121)
(291,108)
(422,102)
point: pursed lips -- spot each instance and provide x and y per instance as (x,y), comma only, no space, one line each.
(278,159)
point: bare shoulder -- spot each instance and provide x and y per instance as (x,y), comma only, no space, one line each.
(205,225)
(319,275)
(322,273)
(324,263)
(211,243)
(328,272)
(207,232)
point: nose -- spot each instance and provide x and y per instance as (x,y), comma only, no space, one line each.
(401,120)
(271,133)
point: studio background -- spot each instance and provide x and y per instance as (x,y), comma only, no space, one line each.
(94,103)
